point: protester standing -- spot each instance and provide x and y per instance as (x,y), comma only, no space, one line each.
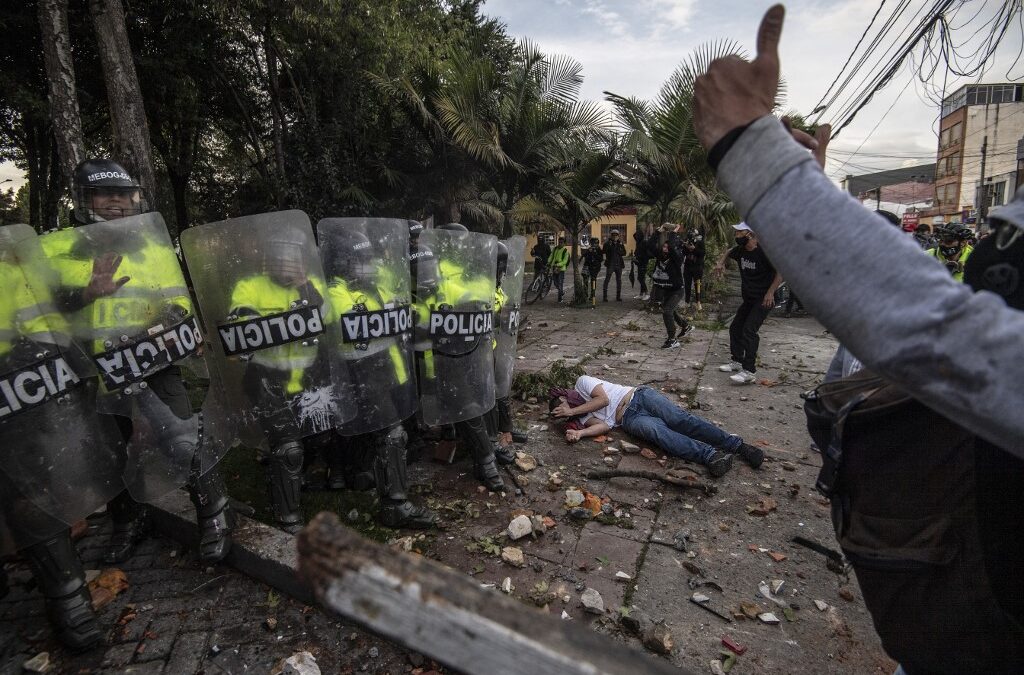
(693,265)
(614,262)
(541,251)
(557,262)
(668,282)
(641,257)
(758,282)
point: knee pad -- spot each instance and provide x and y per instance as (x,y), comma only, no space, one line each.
(289,454)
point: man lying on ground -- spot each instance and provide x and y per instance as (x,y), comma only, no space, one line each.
(644,413)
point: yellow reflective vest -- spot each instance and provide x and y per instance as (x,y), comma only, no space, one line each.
(965,253)
(342,301)
(259,295)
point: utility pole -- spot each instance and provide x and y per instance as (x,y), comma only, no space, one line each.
(983,206)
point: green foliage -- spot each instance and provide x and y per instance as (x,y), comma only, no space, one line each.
(536,385)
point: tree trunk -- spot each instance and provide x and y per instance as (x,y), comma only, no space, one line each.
(276,112)
(127,112)
(62,90)
(35,183)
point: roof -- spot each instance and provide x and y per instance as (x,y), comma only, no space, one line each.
(921,173)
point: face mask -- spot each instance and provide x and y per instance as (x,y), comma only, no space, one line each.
(741,241)
(997,265)
(949,250)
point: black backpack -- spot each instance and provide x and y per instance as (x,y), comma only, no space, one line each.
(932,519)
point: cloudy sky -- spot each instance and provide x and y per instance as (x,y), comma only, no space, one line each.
(630,47)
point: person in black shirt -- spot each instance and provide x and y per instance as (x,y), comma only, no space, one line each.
(540,252)
(592,257)
(693,264)
(641,256)
(758,281)
(667,251)
(614,262)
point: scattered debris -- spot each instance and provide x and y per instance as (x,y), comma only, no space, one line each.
(402,543)
(612,461)
(821,605)
(629,448)
(846,594)
(573,497)
(700,597)
(679,477)
(592,601)
(539,524)
(768,618)
(565,615)
(789,613)
(633,620)
(506,585)
(648,453)
(520,527)
(513,556)
(525,461)
(702,601)
(776,585)
(765,590)
(40,663)
(777,557)
(733,646)
(108,585)
(751,610)
(611,451)
(763,507)
(554,481)
(299,663)
(592,503)
(270,623)
(658,639)
(622,576)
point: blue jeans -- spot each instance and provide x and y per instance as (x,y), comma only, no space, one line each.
(559,279)
(653,418)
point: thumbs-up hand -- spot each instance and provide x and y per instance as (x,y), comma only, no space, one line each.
(735,92)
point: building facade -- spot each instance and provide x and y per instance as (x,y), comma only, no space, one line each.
(624,221)
(978,158)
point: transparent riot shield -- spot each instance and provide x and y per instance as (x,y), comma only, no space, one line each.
(59,459)
(508,298)
(456,375)
(263,300)
(121,285)
(366,265)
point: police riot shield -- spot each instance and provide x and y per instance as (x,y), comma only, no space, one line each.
(456,374)
(365,261)
(59,460)
(121,284)
(262,297)
(508,299)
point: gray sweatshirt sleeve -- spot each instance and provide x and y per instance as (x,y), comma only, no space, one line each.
(961,353)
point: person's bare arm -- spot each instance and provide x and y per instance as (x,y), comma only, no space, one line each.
(719,267)
(769,297)
(593,427)
(598,400)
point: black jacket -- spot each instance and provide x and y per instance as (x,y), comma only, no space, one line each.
(541,251)
(668,272)
(614,254)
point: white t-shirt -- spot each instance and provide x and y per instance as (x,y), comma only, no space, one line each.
(585,385)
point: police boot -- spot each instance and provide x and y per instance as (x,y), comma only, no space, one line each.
(474,435)
(213,515)
(392,485)
(336,468)
(505,422)
(58,571)
(131,521)
(284,476)
(502,454)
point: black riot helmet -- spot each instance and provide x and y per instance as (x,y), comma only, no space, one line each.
(348,255)
(103,190)
(450,247)
(423,270)
(415,227)
(502,263)
(949,241)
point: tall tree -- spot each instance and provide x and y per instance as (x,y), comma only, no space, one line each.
(127,109)
(63,91)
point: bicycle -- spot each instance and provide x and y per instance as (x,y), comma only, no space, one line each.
(539,287)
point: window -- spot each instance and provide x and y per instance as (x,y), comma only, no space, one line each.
(956,133)
(549,237)
(944,138)
(996,192)
(1004,93)
(952,164)
(945,195)
(606,231)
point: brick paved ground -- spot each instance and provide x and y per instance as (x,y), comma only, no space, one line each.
(188,619)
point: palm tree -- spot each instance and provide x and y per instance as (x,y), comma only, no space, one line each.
(580,186)
(666,168)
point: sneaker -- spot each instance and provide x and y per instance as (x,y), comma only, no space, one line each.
(670,344)
(719,464)
(730,367)
(685,330)
(753,456)
(645,296)
(638,297)
(743,377)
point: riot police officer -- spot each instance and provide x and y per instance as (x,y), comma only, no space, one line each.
(457,374)
(121,284)
(59,460)
(952,251)
(369,296)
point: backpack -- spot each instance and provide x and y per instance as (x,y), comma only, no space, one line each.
(930,516)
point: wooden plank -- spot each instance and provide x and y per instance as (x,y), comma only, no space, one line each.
(444,614)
